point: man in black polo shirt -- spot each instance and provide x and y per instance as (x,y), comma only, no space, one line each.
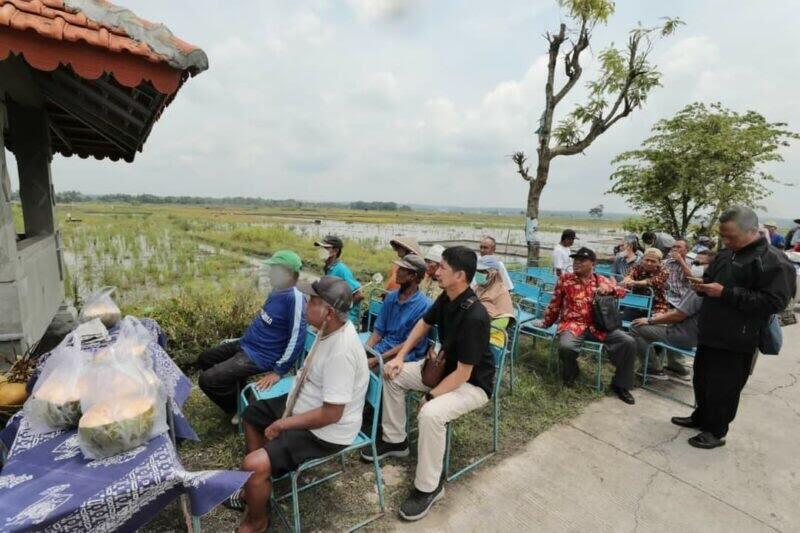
(469,374)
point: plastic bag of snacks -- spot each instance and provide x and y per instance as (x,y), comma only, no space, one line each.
(123,403)
(133,340)
(100,305)
(55,400)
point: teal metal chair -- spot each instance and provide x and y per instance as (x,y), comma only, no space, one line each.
(665,348)
(499,355)
(604,270)
(527,291)
(642,303)
(373,310)
(373,398)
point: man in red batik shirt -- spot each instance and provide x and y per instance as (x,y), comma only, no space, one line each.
(571,307)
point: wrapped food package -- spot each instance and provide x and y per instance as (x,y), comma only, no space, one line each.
(55,400)
(100,305)
(123,403)
(116,425)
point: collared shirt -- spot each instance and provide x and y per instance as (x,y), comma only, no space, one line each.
(397,319)
(571,305)
(430,287)
(340,270)
(657,281)
(622,264)
(561,259)
(677,282)
(469,342)
(276,337)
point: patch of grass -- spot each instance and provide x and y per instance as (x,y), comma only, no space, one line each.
(538,403)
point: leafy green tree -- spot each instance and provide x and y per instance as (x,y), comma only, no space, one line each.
(698,162)
(624,81)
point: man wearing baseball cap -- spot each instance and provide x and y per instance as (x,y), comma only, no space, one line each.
(271,344)
(330,250)
(402,309)
(571,308)
(322,413)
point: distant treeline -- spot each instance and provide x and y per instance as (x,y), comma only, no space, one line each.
(72,197)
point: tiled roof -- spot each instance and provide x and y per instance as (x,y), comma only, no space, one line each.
(102,26)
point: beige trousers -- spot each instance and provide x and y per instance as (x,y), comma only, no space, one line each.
(432,419)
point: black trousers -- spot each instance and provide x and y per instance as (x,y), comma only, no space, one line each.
(224,368)
(719,377)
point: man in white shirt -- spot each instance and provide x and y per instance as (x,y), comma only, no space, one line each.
(488,246)
(561,252)
(320,416)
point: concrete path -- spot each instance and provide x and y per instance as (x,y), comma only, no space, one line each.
(618,468)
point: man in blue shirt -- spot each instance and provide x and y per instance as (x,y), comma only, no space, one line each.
(271,344)
(330,251)
(401,310)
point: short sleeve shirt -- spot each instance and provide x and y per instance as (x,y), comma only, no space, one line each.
(468,342)
(684,334)
(339,375)
(340,270)
(397,319)
(561,260)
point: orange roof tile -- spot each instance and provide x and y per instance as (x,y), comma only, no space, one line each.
(105,27)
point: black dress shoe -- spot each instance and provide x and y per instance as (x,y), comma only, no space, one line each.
(706,441)
(685,422)
(624,395)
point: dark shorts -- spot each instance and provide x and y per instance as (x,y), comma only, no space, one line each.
(292,448)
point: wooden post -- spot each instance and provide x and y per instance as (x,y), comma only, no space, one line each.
(8,235)
(31,135)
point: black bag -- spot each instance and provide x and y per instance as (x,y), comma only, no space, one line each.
(605,312)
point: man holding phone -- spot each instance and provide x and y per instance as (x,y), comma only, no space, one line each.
(745,284)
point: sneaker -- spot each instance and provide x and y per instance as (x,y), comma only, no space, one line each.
(658,375)
(236,501)
(680,371)
(386,449)
(419,503)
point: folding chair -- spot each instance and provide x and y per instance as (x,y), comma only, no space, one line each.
(666,348)
(373,398)
(527,291)
(499,355)
(604,270)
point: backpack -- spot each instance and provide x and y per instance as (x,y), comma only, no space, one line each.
(770,337)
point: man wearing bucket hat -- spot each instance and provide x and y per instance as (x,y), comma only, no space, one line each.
(322,413)
(775,238)
(430,284)
(401,310)
(402,245)
(271,344)
(330,250)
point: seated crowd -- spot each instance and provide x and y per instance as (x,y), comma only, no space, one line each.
(448,301)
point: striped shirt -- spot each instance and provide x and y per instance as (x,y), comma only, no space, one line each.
(276,337)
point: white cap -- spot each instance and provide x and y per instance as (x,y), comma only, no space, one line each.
(434,253)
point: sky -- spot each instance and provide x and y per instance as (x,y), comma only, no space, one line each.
(423,101)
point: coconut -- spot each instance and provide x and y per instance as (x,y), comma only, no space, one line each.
(116,426)
(12,394)
(55,404)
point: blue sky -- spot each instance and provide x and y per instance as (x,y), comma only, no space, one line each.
(421,101)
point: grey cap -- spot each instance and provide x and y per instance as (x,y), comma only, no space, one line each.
(412,262)
(333,291)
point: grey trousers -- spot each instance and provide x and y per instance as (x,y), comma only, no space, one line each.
(620,347)
(644,335)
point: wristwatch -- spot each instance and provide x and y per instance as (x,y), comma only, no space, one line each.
(429,396)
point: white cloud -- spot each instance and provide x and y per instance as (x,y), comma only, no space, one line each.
(381,10)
